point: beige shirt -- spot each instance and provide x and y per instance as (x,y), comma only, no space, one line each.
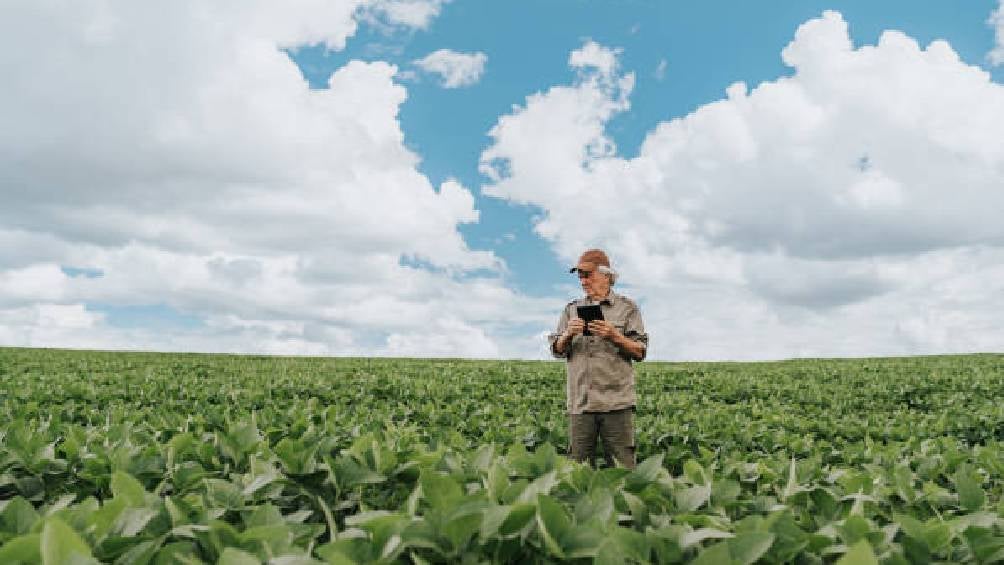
(600,376)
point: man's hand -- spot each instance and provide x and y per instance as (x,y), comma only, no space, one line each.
(607,330)
(603,328)
(575,327)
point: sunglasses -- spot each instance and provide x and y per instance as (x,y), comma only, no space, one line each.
(582,273)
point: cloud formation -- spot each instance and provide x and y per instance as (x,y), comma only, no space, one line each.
(816,214)
(996,55)
(172,157)
(178,151)
(454,69)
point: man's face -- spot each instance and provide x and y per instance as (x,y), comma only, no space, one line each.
(595,284)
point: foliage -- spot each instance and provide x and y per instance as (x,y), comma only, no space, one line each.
(158,459)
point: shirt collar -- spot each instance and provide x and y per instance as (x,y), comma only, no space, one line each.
(609,300)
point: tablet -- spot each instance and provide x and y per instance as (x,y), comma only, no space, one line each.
(588,314)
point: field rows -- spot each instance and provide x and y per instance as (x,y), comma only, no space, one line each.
(156,458)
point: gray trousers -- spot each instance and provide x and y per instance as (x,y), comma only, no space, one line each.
(616,429)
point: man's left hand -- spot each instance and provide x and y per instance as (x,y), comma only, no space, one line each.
(603,328)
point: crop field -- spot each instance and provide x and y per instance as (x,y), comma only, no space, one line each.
(182,459)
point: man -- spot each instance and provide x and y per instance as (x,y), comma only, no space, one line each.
(600,386)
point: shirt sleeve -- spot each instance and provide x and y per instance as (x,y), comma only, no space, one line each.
(553,338)
(634,330)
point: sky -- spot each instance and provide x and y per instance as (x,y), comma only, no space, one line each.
(414,177)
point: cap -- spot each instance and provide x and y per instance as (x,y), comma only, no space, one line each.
(594,259)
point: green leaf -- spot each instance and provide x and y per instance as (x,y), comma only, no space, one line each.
(937,535)
(665,543)
(631,544)
(967,484)
(541,485)
(126,487)
(61,545)
(725,491)
(638,508)
(581,542)
(860,554)
(224,494)
(141,553)
(718,554)
(695,472)
(18,517)
(296,457)
(520,515)
(903,478)
(747,548)
(261,475)
(491,521)
(23,549)
(106,518)
(695,537)
(350,474)
(264,515)
(177,553)
(385,530)
(790,539)
(552,523)
(460,529)
(496,482)
(440,491)
(234,556)
(276,537)
(596,507)
(854,529)
(792,487)
(340,552)
(910,526)
(239,440)
(222,535)
(987,547)
(483,458)
(133,520)
(692,498)
(644,474)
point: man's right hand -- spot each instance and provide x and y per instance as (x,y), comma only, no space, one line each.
(575,327)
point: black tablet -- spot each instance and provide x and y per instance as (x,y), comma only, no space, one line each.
(588,314)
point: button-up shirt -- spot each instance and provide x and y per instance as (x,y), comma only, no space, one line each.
(600,375)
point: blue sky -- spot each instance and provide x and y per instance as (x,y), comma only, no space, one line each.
(782,179)
(705,46)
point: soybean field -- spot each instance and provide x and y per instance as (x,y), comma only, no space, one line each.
(144,458)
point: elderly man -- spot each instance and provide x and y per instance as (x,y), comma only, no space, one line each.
(600,387)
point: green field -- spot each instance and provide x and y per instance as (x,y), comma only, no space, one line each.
(170,458)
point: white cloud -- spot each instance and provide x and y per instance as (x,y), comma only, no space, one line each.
(176,149)
(660,70)
(447,337)
(410,13)
(557,132)
(996,55)
(594,55)
(454,69)
(816,214)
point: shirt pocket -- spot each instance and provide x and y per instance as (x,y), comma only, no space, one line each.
(621,326)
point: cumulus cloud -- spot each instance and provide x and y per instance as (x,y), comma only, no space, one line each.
(454,69)
(996,55)
(810,215)
(594,55)
(409,13)
(179,152)
(557,132)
